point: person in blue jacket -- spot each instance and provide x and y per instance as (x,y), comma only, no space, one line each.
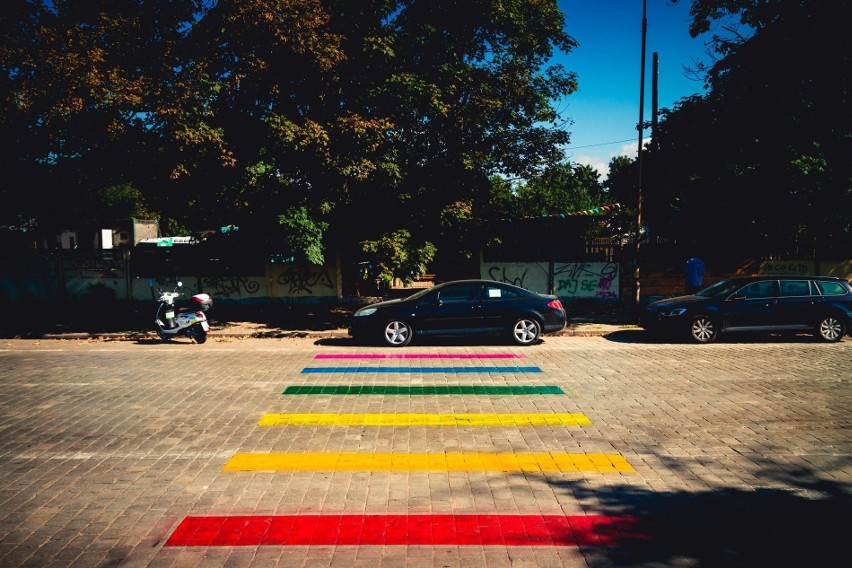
(694,274)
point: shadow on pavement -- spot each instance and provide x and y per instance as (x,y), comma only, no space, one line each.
(642,336)
(805,524)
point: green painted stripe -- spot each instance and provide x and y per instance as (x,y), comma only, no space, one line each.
(423,390)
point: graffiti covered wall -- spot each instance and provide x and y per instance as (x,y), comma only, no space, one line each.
(571,280)
(530,275)
(303,280)
(282,282)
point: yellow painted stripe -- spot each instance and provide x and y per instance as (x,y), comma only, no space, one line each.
(334,419)
(535,462)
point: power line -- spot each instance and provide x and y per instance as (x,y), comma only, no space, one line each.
(600,144)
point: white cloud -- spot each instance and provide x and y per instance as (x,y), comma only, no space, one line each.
(597,162)
(631,150)
(601,162)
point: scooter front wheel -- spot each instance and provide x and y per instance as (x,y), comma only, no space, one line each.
(197,333)
(164,336)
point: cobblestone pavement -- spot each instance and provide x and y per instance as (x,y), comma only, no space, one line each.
(737,453)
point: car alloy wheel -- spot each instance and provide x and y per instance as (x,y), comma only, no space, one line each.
(703,329)
(398,333)
(830,329)
(526,331)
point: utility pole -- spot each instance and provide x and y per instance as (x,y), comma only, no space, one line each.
(636,266)
(655,99)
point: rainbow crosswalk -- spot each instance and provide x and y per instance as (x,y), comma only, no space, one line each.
(435,529)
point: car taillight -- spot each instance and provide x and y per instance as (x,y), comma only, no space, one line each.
(555,304)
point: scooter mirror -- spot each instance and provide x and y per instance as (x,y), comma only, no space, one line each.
(180,284)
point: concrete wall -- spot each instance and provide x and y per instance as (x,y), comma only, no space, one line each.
(105,275)
(569,280)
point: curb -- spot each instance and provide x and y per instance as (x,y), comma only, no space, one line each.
(280,334)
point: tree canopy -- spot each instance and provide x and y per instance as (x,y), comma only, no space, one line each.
(759,165)
(409,126)
(240,112)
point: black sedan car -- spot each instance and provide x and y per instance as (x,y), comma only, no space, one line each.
(460,308)
(817,304)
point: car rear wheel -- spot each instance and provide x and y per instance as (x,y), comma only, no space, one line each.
(703,329)
(526,331)
(831,329)
(397,333)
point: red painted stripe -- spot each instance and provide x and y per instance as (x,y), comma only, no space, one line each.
(505,530)
(418,356)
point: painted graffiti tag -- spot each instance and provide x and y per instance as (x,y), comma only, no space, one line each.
(225,286)
(501,274)
(570,279)
(586,279)
(303,279)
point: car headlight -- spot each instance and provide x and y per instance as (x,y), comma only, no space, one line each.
(674,312)
(365,312)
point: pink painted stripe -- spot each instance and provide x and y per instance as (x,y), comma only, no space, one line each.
(418,356)
(481,530)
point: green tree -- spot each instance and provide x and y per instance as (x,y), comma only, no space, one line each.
(81,85)
(303,235)
(470,95)
(396,256)
(237,112)
(760,164)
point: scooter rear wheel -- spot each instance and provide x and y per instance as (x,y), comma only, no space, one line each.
(197,333)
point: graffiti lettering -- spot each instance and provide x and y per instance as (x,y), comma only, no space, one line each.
(791,268)
(225,286)
(303,279)
(587,280)
(500,274)
(570,279)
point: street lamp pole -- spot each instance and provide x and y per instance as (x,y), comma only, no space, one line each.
(636,266)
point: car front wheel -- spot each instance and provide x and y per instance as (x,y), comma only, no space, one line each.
(831,328)
(526,331)
(703,329)
(398,333)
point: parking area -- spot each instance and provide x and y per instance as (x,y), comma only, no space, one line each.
(580,451)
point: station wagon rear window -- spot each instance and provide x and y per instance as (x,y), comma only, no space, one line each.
(830,288)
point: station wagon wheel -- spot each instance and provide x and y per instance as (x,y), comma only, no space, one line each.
(831,329)
(398,333)
(703,329)
(526,331)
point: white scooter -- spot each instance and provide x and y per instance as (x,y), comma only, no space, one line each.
(191,322)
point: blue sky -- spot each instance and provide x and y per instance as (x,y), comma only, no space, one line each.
(605,109)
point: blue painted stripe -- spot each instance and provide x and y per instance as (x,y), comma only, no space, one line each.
(313,370)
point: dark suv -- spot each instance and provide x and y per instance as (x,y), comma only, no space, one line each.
(819,304)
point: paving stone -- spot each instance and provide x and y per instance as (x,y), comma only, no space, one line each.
(107,446)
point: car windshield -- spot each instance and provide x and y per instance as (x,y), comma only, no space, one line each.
(721,289)
(420,294)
